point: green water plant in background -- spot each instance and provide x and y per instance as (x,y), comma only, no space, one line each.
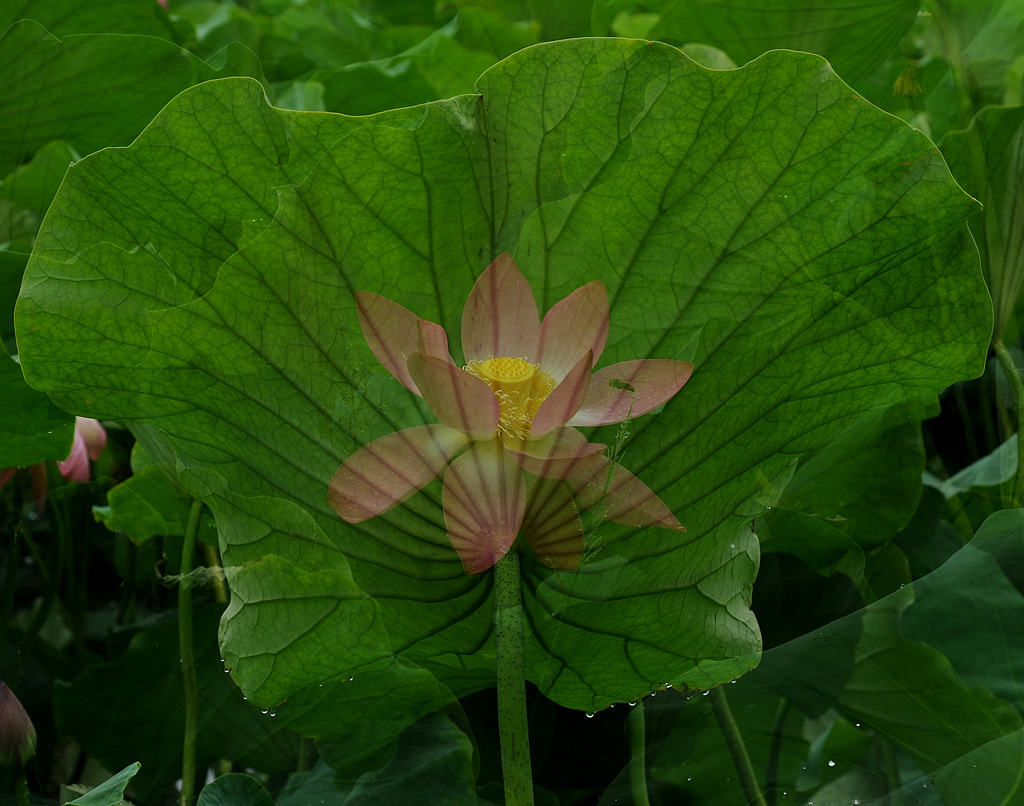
(199,280)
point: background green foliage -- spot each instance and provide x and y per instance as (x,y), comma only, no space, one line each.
(811,254)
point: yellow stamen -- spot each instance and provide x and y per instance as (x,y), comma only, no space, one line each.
(520,388)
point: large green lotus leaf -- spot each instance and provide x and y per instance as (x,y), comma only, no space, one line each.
(63,17)
(854,37)
(92,90)
(988,161)
(809,253)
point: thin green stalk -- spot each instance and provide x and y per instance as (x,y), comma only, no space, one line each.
(513,729)
(738,750)
(638,759)
(771,777)
(1017,390)
(188,658)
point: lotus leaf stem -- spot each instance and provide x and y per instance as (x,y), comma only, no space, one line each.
(187,653)
(738,750)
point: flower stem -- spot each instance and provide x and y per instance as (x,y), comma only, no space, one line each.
(513,728)
(638,759)
(734,740)
(1017,389)
(21,786)
(187,652)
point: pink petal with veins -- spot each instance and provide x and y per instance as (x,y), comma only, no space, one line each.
(76,466)
(576,324)
(484,499)
(500,317)
(93,433)
(388,470)
(551,525)
(565,399)
(560,454)
(460,400)
(623,498)
(630,389)
(391,331)
(432,340)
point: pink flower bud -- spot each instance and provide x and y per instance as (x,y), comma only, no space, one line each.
(17,734)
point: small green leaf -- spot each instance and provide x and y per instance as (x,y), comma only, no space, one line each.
(235,789)
(110,792)
(147,505)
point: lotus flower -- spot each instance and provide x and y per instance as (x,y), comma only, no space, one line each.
(507,446)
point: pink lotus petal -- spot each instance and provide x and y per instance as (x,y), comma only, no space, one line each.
(391,332)
(551,525)
(560,454)
(94,434)
(643,385)
(622,498)
(484,499)
(76,466)
(500,317)
(388,470)
(576,324)
(460,400)
(565,399)
(432,340)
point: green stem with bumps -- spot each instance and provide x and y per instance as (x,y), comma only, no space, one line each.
(513,728)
